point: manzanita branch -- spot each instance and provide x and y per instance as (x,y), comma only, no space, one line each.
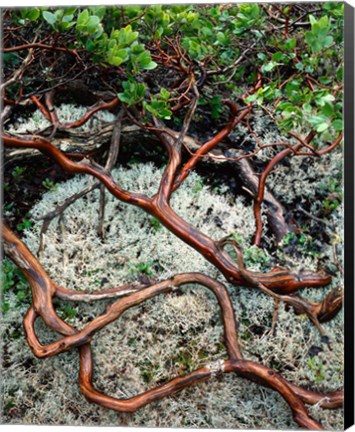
(282,281)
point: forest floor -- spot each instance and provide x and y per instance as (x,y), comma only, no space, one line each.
(171,335)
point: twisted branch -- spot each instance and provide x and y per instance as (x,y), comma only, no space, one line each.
(281,281)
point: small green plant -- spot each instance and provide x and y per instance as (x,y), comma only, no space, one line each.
(8,405)
(49,184)
(28,14)
(331,204)
(332,188)
(9,207)
(237,237)
(184,361)
(318,38)
(303,242)
(252,254)
(25,223)
(149,371)
(159,106)
(317,369)
(141,268)
(67,312)
(92,272)
(155,224)
(255,255)
(18,172)
(112,47)
(289,238)
(133,92)
(197,187)
(13,279)
(248,15)
(61,19)
(216,106)
(132,342)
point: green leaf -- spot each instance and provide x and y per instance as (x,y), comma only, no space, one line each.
(126,36)
(325,80)
(158,109)
(251,98)
(59,14)
(317,120)
(123,97)
(324,98)
(92,24)
(83,17)
(269,66)
(290,44)
(164,94)
(137,48)
(99,11)
(340,73)
(328,109)
(328,41)
(222,38)
(216,106)
(66,25)
(322,127)
(286,107)
(93,20)
(116,61)
(287,124)
(30,14)
(338,125)
(123,53)
(90,46)
(133,92)
(67,18)
(262,57)
(117,57)
(49,17)
(307,107)
(150,66)
(159,32)
(144,58)
(144,61)
(279,56)
(317,39)
(312,20)
(70,11)
(10,58)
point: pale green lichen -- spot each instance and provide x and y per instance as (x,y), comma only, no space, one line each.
(67,113)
